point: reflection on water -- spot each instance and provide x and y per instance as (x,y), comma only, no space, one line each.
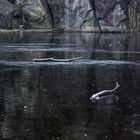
(50,101)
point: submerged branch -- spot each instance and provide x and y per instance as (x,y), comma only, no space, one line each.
(52,59)
(103,93)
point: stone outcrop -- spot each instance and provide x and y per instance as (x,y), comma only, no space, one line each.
(5,9)
(77,15)
(97,15)
(25,13)
(134,15)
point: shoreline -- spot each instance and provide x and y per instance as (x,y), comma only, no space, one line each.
(20,31)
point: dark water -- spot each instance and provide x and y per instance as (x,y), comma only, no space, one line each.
(50,100)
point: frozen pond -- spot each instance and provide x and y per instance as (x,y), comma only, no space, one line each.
(50,100)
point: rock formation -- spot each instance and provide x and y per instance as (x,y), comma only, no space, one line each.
(77,15)
(26,13)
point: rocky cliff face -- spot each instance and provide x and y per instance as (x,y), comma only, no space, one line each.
(25,13)
(83,15)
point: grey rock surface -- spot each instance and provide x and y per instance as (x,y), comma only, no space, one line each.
(17,13)
(96,15)
(5,9)
(75,15)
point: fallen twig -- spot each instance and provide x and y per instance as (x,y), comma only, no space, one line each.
(44,59)
(103,93)
(52,59)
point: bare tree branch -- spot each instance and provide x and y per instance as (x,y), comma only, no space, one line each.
(52,59)
(103,93)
